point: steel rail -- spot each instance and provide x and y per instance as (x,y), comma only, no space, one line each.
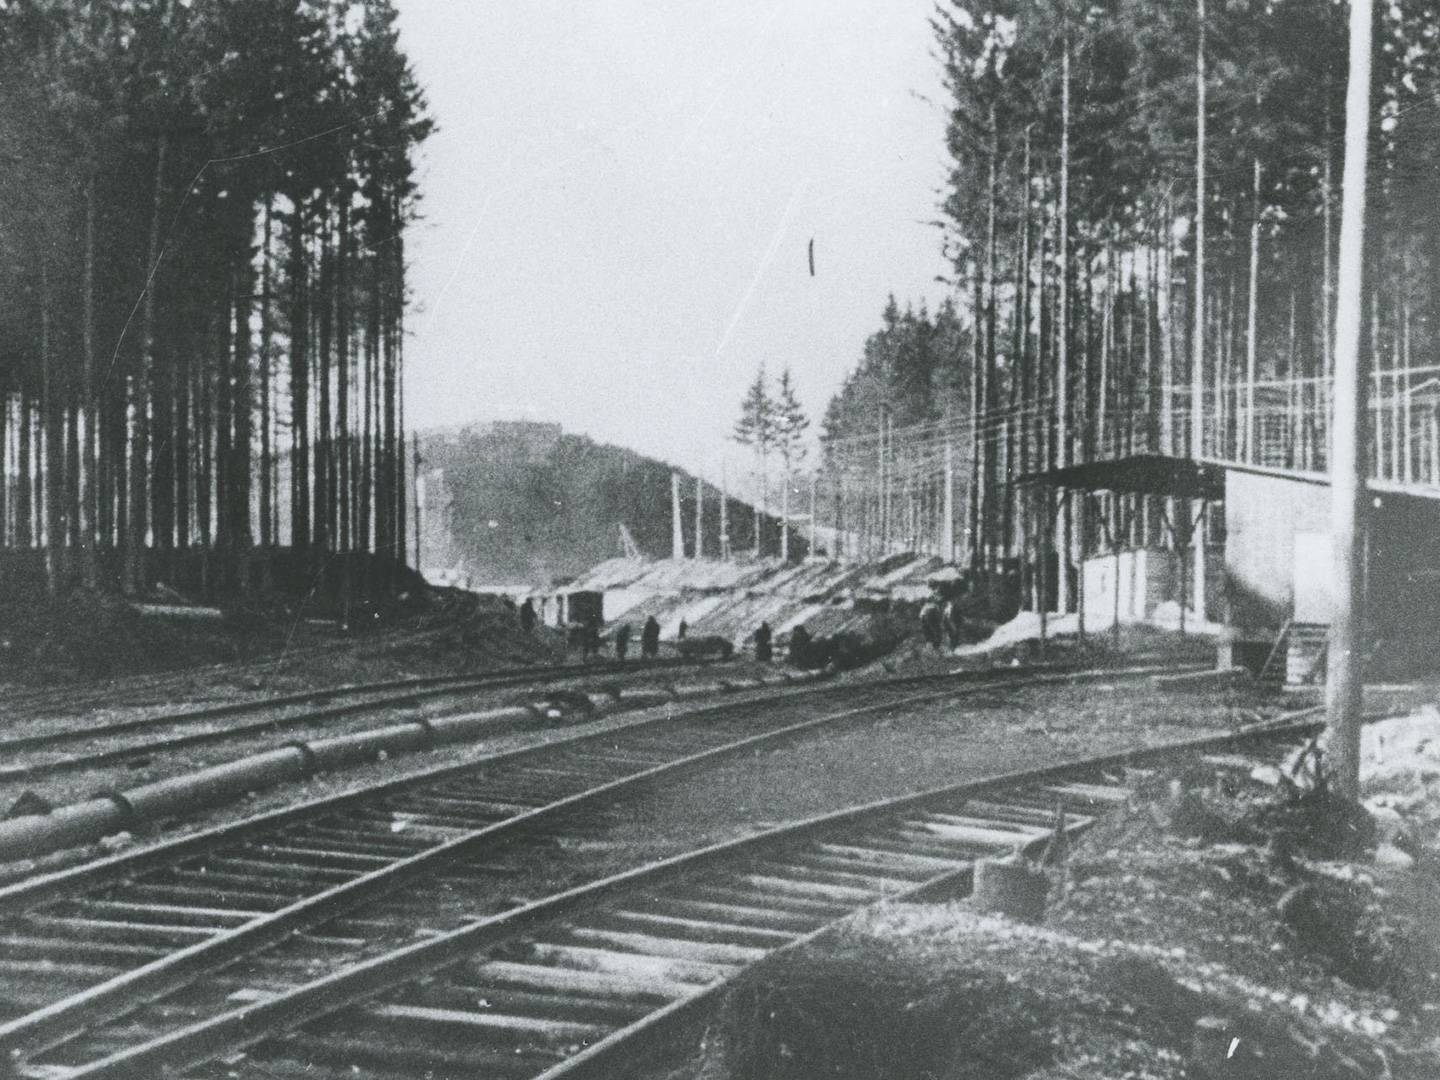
(412,692)
(34,890)
(625,1043)
(119,993)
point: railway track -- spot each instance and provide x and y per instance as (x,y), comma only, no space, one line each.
(177,925)
(588,981)
(141,689)
(48,752)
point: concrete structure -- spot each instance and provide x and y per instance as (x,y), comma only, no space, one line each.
(1268,570)
(1279,573)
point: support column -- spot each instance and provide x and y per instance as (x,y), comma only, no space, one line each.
(947,524)
(724,512)
(1197,534)
(1344,682)
(677,534)
(699,516)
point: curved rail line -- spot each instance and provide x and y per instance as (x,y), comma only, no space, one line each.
(363,698)
(137,928)
(589,981)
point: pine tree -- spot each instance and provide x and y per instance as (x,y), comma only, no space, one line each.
(790,424)
(756,429)
(147,148)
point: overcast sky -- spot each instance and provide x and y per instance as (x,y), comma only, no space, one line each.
(617,205)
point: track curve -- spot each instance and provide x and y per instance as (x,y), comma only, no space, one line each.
(30,756)
(139,927)
(586,981)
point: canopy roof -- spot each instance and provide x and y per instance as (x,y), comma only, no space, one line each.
(1143,474)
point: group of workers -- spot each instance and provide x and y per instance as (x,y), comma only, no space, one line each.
(940,622)
(764,638)
(649,638)
(590,636)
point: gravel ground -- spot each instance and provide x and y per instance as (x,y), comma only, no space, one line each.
(885,754)
(910,749)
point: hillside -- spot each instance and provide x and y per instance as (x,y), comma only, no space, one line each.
(510,503)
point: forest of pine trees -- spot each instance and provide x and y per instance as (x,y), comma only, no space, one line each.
(1094,312)
(202,215)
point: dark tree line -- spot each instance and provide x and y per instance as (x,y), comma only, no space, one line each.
(1142,216)
(202,211)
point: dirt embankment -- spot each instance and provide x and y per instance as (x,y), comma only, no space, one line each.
(86,636)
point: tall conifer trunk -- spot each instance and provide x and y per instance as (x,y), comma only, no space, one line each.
(137,505)
(88,456)
(299,383)
(267,423)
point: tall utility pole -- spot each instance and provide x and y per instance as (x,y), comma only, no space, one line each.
(785,517)
(1251,427)
(1197,359)
(699,515)
(947,524)
(677,532)
(883,502)
(1345,679)
(415,488)
(814,522)
(1062,349)
(724,513)
(1062,352)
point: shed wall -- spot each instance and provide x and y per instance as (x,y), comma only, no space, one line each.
(1263,516)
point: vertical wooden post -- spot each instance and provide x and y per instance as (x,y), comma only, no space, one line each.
(1376,385)
(1080,523)
(1062,353)
(415,495)
(699,512)
(724,512)
(947,524)
(1252,316)
(677,533)
(785,516)
(1197,360)
(1345,677)
(1047,521)
(883,505)
(1434,477)
(814,521)
(1408,418)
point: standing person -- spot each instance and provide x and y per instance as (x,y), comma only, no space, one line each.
(762,642)
(951,619)
(684,626)
(592,637)
(650,638)
(799,646)
(527,617)
(622,641)
(930,623)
